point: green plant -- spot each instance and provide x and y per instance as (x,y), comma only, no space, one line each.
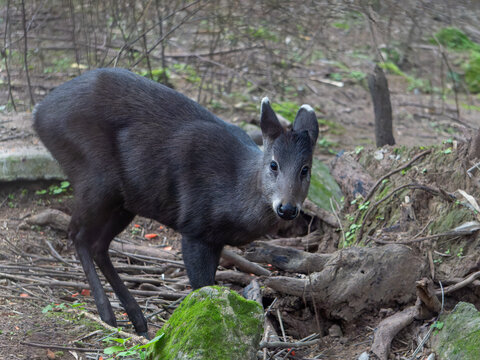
(454,39)
(190,73)
(460,252)
(437,326)
(55,189)
(287,109)
(472,73)
(341,25)
(121,350)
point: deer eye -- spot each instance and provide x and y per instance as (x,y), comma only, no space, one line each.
(274,165)
(304,170)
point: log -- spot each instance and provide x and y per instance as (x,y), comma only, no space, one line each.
(358,279)
(378,86)
(144,250)
(51,217)
(286,258)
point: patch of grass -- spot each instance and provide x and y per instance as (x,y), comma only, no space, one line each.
(455,39)
(413,82)
(472,73)
(288,109)
(341,25)
(190,73)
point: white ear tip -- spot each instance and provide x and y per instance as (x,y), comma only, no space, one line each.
(307,107)
(265,100)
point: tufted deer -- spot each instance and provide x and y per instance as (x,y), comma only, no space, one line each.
(132,146)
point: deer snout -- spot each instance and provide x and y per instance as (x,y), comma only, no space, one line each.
(287,211)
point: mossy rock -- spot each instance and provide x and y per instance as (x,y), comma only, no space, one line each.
(211,323)
(450,218)
(459,338)
(323,186)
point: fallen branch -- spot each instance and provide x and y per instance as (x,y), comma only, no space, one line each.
(388,328)
(460,284)
(322,214)
(60,347)
(286,258)
(143,250)
(286,345)
(243,264)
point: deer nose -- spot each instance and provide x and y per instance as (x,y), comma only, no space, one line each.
(287,211)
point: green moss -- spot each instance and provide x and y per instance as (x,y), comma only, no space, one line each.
(449,218)
(459,338)
(323,186)
(212,322)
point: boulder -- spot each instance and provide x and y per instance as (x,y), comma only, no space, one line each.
(213,323)
(459,336)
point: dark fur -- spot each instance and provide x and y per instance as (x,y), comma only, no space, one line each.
(132,146)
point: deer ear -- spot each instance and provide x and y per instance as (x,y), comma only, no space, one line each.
(271,127)
(307,120)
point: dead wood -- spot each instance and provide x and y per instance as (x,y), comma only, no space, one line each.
(243,264)
(350,176)
(378,86)
(430,305)
(357,279)
(324,215)
(286,258)
(254,292)
(232,276)
(388,328)
(143,250)
(467,281)
(56,219)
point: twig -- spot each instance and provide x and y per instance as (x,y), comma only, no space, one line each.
(442,193)
(444,56)
(25,50)
(60,347)
(460,284)
(286,345)
(5,56)
(407,164)
(54,252)
(379,181)
(135,338)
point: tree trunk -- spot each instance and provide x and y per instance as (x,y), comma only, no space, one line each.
(378,85)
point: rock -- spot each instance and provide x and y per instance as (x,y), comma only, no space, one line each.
(28,164)
(323,186)
(364,356)
(335,331)
(459,337)
(211,323)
